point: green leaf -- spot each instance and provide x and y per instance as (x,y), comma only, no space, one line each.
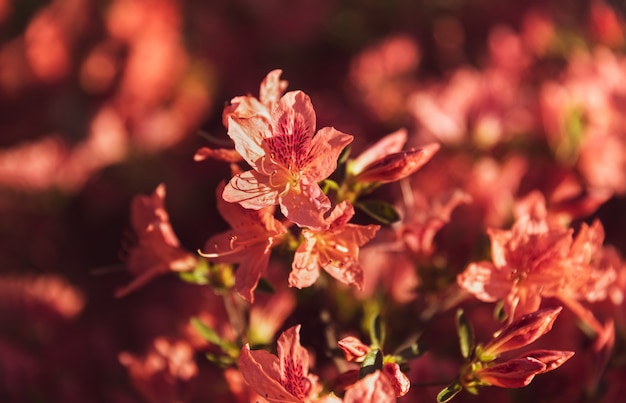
(466,334)
(498,312)
(212,337)
(379,210)
(206,332)
(449,392)
(373,362)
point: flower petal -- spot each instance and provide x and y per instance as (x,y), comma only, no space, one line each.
(260,370)
(399,381)
(305,205)
(523,331)
(551,358)
(294,363)
(248,135)
(353,348)
(305,268)
(391,143)
(515,373)
(326,147)
(481,280)
(249,271)
(251,190)
(272,88)
(396,166)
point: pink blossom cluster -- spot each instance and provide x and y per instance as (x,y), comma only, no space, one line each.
(444,225)
(310,176)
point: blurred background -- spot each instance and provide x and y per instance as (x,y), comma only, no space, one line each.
(101,100)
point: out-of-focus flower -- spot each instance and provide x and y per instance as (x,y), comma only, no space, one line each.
(45,293)
(423,219)
(158,250)
(606,25)
(538,31)
(483,108)
(538,258)
(248,244)
(49,162)
(334,247)
(583,121)
(382,75)
(288,160)
(165,373)
(282,378)
(529,262)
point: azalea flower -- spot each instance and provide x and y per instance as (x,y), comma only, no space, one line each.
(334,248)
(539,258)
(158,250)
(288,160)
(282,378)
(248,243)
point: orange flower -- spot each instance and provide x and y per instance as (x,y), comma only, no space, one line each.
(158,250)
(249,243)
(288,160)
(335,248)
(538,258)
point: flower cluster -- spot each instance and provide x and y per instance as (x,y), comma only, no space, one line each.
(431,209)
(292,200)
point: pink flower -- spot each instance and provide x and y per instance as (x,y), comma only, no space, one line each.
(539,258)
(248,243)
(288,160)
(282,378)
(165,373)
(528,262)
(158,250)
(335,248)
